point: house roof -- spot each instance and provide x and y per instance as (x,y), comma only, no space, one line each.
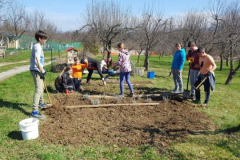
(71,48)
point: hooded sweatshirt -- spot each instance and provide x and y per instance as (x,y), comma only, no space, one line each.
(179,59)
(124,61)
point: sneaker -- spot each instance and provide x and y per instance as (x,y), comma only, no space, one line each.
(197,101)
(36,114)
(193,97)
(42,106)
(205,103)
(122,95)
(131,95)
(174,90)
(178,91)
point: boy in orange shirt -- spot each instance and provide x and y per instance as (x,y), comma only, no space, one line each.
(207,67)
(77,73)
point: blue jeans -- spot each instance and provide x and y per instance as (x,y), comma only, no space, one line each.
(76,84)
(109,72)
(206,88)
(193,78)
(125,75)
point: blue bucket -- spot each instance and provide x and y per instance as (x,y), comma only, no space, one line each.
(150,75)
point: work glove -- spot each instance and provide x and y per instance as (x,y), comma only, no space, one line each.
(42,75)
(209,73)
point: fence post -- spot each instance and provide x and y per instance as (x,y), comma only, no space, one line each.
(51,57)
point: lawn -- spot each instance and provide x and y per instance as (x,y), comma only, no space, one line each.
(15,104)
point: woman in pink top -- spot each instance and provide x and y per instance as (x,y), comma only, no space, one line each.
(125,68)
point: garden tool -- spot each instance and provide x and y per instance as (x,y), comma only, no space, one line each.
(45,85)
(186,93)
(201,82)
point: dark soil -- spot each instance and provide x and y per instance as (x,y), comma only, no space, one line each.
(121,126)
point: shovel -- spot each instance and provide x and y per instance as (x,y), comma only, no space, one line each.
(186,93)
(45,85)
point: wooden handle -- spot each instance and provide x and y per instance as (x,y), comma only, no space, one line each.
(201,83)
(45,85)
(113,105)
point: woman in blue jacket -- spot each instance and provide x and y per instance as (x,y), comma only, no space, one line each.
(177,66)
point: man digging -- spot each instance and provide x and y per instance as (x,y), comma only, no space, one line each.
(205,76)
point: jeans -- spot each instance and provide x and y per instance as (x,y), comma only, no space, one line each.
(39,88)
(125,75)
(193,77)
(76,84)
(177,78)
(109,72)
(206,88)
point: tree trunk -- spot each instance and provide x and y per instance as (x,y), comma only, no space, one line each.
(232,74)
(221,62)
(139,54)
(227,61)
(109,52)
(109,49)
(146,61)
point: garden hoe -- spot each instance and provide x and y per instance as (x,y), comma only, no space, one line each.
(45,85)
(186,93)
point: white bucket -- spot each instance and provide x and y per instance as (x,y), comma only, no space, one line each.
(29,128)
(141,72)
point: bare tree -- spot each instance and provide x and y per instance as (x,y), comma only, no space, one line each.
(39,22)
(109,21)
(152,28)
(17,21)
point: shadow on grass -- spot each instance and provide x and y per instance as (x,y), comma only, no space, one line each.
(17,135)
(14,106)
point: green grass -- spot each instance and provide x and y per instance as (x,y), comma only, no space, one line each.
(15,105)
(25,55)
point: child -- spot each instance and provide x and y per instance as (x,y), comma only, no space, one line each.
(207,67)
(64,82)
(194,68)
(125,68)
(177,66)
(37,54)
(106,70)
(93,65)
(77,73)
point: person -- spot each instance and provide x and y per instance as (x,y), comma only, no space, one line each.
(105,69)
(125,68)
(64,82)
(77,73)
(37,55)
(193,58)
(177,66)
(93,65)
(207,68)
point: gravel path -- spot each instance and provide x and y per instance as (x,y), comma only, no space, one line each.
(7,63)
(16,70)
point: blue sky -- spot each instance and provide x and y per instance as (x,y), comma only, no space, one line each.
(68,14)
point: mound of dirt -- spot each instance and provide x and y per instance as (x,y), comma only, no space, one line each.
(59,67)
(121,126)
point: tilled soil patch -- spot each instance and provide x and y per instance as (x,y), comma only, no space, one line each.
(121,126)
